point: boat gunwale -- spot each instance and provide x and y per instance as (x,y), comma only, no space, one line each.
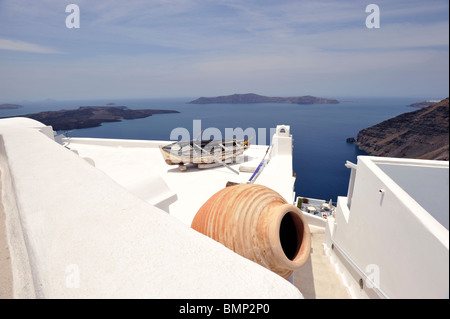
(238,148)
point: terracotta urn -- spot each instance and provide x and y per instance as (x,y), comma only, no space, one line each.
(257,223)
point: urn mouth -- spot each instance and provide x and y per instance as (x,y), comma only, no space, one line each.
(292,237)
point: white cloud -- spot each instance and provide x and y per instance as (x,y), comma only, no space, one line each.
(389,37)
(17,45)
(193,47)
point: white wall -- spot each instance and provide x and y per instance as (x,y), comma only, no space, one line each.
(388,231)
(428,185)
(278,174)
(85,236)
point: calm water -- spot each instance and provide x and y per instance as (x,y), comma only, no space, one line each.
(319,131)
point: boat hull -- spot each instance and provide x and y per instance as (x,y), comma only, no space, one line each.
(203,152)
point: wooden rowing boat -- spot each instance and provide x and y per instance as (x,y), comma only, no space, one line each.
(203,151)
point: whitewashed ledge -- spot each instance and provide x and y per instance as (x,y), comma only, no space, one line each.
(75,233)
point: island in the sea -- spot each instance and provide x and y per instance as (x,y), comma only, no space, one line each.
(9,106)
(421,134)
(91,116)
(255,98)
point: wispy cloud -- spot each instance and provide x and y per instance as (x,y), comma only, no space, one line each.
(17,45)
(184,47)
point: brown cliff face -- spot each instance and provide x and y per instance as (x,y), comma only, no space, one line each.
(422,134)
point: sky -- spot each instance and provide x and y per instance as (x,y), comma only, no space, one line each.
(192,48)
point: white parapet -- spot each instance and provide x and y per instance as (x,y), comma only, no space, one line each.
(76,233)
(392,229)
(278,174)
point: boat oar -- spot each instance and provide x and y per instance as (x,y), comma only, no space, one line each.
(247,142)
(199,135)
(217,160)
(259,169)
(256,173)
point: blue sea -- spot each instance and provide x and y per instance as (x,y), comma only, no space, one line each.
(319,131)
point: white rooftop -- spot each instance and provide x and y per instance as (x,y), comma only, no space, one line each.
(428,184)
(116,213)
(140,167)
(73,232)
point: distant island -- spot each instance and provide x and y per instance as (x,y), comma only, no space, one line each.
(90,116)
(424,103)
(421,134)
(255,98)
(9,106)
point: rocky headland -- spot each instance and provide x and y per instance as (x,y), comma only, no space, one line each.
(90,116)
(421,134)
(255,98)
(424,103)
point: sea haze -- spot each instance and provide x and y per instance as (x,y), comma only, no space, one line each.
(319,131)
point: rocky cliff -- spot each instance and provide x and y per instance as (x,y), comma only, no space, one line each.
(424,103)
(422,134)
(255,98)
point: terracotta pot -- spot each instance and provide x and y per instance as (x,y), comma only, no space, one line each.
(257,223)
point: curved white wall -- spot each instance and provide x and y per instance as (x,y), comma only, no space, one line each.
(85,236)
